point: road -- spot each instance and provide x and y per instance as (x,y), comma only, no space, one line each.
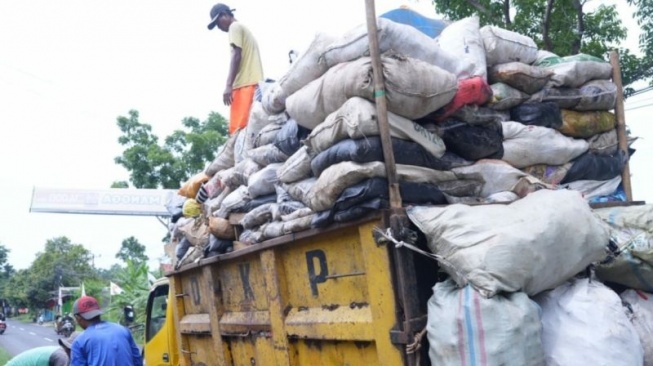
(20,336)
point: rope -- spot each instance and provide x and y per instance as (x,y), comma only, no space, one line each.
(400,244)
(414,347)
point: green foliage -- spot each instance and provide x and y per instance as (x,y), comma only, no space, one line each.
(120,184)
(183,154)
(133,279)
(6,270)
(62,263)
(132,249)
(570,29)
(4,356)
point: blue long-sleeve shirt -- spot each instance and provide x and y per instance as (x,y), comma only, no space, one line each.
(105,344)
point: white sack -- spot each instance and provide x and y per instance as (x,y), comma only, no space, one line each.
(498,176)
(258,119)
(530,245)
(502,45)
(224,158)
(464,328)
(594,188)
(357,119)
(267,154)
(631,229)
(642,305)
(525,145)
(236,199)
(463,39)
(400,38)
(574,71)
(585,323)
(413,89)
(262,182)
(337,177)
(297,167)
(308,67)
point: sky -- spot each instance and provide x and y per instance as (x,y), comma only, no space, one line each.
(69,68)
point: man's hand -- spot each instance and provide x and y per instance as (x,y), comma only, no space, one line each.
(227,96)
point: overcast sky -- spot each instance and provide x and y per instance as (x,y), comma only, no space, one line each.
(69,68)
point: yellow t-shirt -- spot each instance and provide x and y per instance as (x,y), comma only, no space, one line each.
(251,69)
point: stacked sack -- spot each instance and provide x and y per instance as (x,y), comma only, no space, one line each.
(517,292)
(311,153)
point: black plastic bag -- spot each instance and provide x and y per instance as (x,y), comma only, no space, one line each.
(591,166)
(473,142)
(218,246)
(289,138)
(373,188)
(270,198)
(370,149)
(545,114)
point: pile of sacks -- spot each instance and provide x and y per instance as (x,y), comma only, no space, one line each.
(518,293)
(476,115)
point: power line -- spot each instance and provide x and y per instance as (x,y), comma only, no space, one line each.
(638,107)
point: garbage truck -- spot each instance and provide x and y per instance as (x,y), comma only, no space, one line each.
(359,290)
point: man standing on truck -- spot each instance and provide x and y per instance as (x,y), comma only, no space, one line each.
(102,343)
(245,68)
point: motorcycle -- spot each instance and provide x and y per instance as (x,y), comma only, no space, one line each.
(64,326)
(3,326)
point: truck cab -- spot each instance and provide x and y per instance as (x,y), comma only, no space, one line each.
(160,348)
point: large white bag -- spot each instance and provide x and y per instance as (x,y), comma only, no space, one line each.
(308,67)
(502,46)
(464,328)
(463,39)
(641,304)
(401,38)
(526,145)
(498,176)
(413,89)
(585,323)
(337,177)
(530,245)
(357,118)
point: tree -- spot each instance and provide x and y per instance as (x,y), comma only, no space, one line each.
(131,249)
(6,270)
(566,27)
(62,263)
(184,152)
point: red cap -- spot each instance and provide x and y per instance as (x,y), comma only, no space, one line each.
(87,307)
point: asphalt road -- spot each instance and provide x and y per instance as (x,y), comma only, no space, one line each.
(20,336)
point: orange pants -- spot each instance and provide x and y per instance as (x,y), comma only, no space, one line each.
(241,103)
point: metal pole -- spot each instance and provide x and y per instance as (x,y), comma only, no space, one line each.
(382,107)
(621,123)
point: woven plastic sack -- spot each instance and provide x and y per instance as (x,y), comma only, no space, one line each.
(505,97)
(530,145)
(396,37)
(357,118)
(586,124)
(527,78)
(502,46)
(413,89)
(586,312)
(221,228)
(531,245)
(463,39)
(574,71)
(464,328)
(641,303)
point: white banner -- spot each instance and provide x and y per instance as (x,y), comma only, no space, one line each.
(114,201)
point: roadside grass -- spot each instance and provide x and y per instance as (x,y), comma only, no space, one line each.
(4,356)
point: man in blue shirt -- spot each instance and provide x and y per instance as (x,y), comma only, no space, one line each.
(102,343)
